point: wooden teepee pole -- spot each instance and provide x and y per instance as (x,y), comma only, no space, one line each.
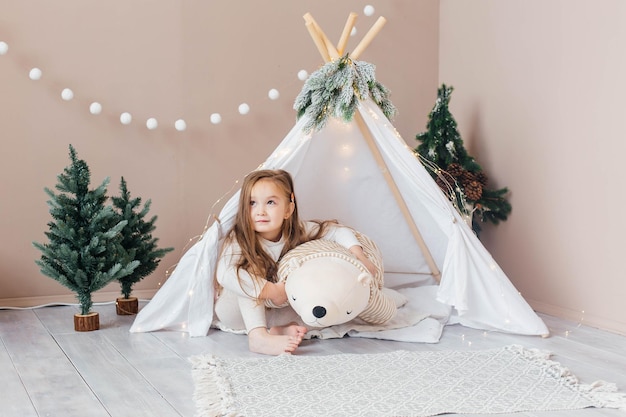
(367,39)
(320,41)
(317,39)
(382,165)
(347,29)
(330,48)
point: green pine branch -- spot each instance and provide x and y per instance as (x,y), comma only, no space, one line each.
(335,89)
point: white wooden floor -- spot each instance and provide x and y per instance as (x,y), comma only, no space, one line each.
(48,369)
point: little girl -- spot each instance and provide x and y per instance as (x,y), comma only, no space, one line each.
(266,227)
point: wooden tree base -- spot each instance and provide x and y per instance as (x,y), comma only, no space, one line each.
(127,306)
(86,322)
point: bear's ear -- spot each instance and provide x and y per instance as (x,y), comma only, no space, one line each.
(364,279)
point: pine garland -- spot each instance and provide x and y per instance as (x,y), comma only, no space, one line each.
(335,89)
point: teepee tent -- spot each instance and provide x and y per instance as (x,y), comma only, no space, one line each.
(358,170)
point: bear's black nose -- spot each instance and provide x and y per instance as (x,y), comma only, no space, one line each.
(319,311)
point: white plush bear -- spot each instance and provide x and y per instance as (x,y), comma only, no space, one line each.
(326,285)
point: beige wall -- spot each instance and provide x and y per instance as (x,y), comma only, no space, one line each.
(170,60)
(539,99)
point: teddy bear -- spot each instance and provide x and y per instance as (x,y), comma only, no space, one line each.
(326,285)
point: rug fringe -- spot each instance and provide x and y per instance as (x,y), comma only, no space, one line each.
(604,394)
(212,394)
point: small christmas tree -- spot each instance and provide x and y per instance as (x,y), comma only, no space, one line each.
(84,253)
(137,237)
(455,171)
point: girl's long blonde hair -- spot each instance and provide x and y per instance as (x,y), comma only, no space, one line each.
(254,259)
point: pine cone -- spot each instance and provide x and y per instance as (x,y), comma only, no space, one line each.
(455,170)
(468,177)
(442,184)
(481,177)
(473,191)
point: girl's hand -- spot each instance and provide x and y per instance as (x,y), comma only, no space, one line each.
(357,251)
(275,292)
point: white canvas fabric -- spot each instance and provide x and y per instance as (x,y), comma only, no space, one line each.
(337,177)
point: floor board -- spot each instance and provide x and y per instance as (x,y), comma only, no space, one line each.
(48,369)
(11,387)
(47,374)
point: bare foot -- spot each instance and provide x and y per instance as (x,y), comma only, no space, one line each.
(261,341)
(292,329)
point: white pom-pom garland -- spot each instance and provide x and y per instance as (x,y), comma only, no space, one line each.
(152,123)
(216,118)
(368,10)
(95,108)
(126,118)
(273,94)
(180,125)
(67,94)
(244,108)
(302,75)
(35,74)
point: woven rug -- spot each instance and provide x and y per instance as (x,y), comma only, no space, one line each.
(400,383)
